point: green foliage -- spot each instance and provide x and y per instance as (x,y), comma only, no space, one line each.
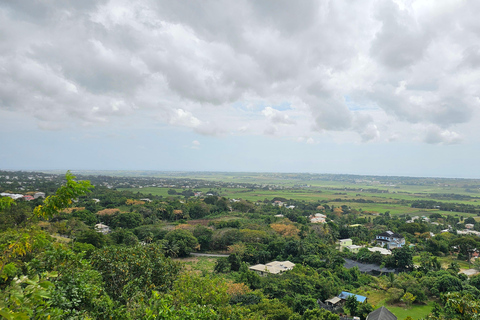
(6,202)
(127,220)
(408,298)
(97,239)
(204,236)
(184,239)
(319,314)
(401,258)
(364,309)
(134,271)
(63,196)
(29,298)
(161,307)
(124,237)
(352,305)
(272,310)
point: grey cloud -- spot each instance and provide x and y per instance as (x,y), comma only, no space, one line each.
(92,61)
(435,135)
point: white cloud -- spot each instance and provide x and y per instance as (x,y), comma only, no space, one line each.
(405,65)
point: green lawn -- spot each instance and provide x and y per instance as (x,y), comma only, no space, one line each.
(416,311)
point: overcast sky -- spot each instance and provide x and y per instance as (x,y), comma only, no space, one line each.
(366,87)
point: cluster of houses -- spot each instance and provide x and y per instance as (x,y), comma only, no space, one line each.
(282,204)
(386,241)
(27,197)
(335,304)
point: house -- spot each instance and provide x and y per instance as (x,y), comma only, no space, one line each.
(28,198)
(274,267)
(317,218)
(381,313)
(344,296)
(102,228)
(39,195)
(333,302)
(14,196)
(353,248)
(342,243)
(469,225)
(391,239)
(382,251)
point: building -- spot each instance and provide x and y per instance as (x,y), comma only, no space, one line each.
(317,218)
(381,313)
(274,267)
(102,228)
(353,248)
(342,243)
(28,198)
(382,251)
(39,195)
(390,239)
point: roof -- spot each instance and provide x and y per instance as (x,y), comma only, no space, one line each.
(344,295)
(381,313)
(273,267)
(389,234)
(381,250)
(333,300)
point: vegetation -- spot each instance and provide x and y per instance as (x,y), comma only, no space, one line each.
(57,263)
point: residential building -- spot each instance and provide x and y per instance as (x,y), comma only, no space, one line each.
(390,239)
(39,195)
(382,251)
(353,248)
(274,267)
(102,228)
(342,243)
(318,218)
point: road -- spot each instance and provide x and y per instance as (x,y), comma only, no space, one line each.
(209,255)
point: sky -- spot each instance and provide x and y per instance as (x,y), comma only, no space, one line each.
(374,87)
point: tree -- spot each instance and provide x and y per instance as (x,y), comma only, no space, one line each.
(401,258)
(408,298)
(62,199)
(184,239)
(466,246)
(364,310)
(352,305)
(129,272)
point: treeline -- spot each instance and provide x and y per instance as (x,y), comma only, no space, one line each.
(444,206)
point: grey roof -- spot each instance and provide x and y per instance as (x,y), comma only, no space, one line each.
(381,313)
(390,234)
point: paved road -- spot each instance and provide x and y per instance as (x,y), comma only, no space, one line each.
(208,255)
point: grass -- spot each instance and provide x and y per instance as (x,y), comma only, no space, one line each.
(198,264)
(415,312)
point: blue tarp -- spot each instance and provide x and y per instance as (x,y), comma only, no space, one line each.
(344,295)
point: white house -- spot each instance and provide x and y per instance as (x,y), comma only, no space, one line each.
(274,267)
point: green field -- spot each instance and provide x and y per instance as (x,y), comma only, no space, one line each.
(382,202)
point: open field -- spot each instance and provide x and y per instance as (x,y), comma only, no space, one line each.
(397,203)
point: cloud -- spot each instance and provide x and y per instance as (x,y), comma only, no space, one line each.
(276,117)
(411,64)
(195,144)
(435,135)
